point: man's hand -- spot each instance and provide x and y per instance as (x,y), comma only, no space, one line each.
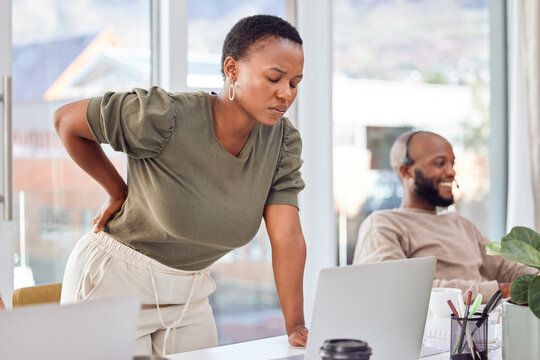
(111,207)
(298,336)
(505,288)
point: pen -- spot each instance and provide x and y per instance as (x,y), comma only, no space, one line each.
(454,311)
(472,311)
(461,306)
(475,305)
(456,314)
(458,343)
(491,304)
(472,346)
(467,326)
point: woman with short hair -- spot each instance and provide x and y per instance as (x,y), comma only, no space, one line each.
(203,171)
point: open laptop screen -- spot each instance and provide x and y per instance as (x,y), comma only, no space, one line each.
(97,329)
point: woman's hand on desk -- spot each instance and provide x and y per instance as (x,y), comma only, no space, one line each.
(298,336)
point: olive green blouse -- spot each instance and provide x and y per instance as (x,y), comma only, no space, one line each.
(189,200)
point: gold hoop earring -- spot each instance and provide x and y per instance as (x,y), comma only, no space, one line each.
(233,88)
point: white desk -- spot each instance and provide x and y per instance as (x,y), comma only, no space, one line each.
(265,349)
(269,348)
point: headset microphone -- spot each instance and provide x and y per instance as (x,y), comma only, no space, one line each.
(457,185)
(407,160)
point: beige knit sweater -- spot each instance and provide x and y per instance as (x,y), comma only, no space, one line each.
(457,243)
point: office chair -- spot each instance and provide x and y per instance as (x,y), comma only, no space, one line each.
(32,295)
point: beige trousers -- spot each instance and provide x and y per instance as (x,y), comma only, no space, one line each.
(175,314)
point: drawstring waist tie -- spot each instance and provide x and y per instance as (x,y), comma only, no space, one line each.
(177,322)
(130,256)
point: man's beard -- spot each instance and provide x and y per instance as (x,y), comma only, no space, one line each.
(424,188)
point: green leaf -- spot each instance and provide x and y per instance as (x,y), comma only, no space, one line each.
(521,252)
(524,234)
(494,248)
(534,296)
(519,291)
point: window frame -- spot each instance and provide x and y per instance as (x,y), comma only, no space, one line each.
(498,146)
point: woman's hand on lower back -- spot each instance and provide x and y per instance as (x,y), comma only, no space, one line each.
(108,209)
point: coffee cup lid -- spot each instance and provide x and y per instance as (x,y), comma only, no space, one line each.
(346,346)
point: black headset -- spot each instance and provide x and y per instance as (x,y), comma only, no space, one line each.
(407,160)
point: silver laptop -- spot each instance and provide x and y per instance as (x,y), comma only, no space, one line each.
(97,329)
(384,304)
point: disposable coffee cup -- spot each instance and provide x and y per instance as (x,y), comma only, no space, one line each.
(344,349)
(438,302)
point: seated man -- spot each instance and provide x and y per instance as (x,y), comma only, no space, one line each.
(424,163)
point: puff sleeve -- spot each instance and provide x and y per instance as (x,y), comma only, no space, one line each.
(139,123)
(287,181)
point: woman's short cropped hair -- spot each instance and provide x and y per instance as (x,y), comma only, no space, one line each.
(254,28)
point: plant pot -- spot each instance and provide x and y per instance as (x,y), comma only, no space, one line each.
(520,333)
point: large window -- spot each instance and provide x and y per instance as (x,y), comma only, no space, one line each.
(401,65)
(64,51)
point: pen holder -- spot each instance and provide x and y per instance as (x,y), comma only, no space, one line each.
(468,337)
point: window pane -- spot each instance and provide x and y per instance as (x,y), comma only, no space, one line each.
(245,305)
(401,65)
(64,51)
(208,23)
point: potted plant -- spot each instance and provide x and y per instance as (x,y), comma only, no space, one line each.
(521,315)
